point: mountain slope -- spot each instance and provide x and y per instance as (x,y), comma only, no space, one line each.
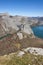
(11,24)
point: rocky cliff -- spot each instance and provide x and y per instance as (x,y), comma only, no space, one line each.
(11,24)
(19,24)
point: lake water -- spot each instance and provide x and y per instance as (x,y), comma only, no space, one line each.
(38,31)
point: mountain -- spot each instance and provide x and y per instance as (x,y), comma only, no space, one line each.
(16,33)
(11,24)
(20,24)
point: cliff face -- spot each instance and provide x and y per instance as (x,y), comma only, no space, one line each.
(11,24)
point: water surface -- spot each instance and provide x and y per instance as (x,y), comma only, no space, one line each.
(38,31)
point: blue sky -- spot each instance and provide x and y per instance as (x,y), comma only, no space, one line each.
(22,7)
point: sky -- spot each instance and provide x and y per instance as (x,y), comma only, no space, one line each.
(22,7)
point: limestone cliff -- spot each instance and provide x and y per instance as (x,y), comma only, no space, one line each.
(11,24)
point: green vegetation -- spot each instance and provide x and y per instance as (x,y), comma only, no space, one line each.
(5,36)
(27,59)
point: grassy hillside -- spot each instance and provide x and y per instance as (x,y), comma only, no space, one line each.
(10,45)
(27,59)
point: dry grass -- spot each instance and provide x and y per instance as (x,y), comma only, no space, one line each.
(9,44)
(27,59)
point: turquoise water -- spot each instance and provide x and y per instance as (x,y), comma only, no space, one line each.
(38,31)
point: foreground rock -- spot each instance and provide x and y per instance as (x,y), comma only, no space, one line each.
(22,59)
(35,51)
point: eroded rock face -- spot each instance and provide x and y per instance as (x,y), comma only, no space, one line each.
(27,29)
(11,24)
(20,35)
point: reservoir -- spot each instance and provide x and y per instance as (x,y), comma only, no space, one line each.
(38,31)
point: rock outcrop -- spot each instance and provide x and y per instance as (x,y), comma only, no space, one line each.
(19,24)
(11,24)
